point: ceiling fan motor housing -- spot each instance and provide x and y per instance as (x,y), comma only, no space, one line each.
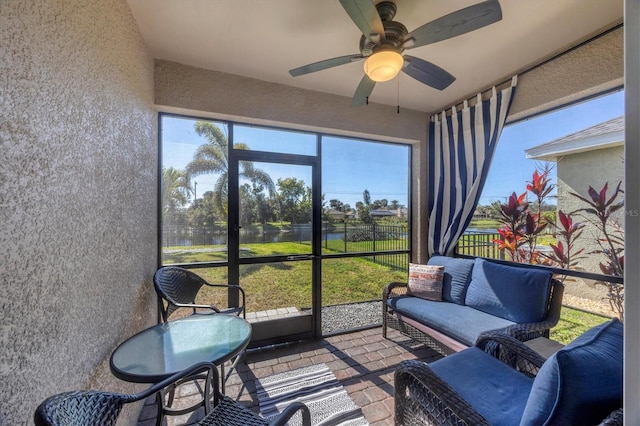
(395,34)
(394,31)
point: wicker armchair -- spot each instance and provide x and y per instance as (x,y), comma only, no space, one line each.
(501,380)
(178,287)
(422,397)
(91,408)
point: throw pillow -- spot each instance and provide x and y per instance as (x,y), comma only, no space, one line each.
(425,281)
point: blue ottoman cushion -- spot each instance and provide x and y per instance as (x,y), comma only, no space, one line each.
(457,275)
(514,293)
(582,383)
(495,390)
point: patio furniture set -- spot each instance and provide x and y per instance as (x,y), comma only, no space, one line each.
(169,354)
(489,376)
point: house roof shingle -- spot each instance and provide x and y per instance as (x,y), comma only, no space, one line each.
(601,135)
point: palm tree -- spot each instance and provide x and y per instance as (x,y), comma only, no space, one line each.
(175,189)
(213,157)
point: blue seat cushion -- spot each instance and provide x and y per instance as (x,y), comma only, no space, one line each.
(462,323)
(514,293)
(582,383)
(495,390)
(457,275)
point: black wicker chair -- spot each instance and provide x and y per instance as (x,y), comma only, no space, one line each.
(92,408)
(178,287)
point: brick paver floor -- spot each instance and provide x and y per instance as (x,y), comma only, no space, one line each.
(363,361)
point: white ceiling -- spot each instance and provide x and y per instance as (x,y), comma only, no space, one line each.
(263,39)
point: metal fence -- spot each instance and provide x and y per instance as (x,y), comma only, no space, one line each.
(365,237)
(176,235)
(339,238)
(480,244)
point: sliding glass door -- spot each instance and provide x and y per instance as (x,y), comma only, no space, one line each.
(305,222)
(271,217)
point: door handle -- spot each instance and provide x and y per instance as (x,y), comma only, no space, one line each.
(300,257)
(236,228)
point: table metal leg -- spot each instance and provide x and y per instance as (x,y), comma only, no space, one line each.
(167,410)
(234,364)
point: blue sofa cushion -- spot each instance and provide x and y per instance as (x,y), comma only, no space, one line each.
(495,390)
(457,275)
(582,383)
(461,322)
(514,293)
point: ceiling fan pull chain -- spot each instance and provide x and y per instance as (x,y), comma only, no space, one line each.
(398,110)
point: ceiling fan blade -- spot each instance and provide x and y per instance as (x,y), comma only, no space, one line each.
(363,91)
(454,24)
(427,73)
(323,65)
(364,14)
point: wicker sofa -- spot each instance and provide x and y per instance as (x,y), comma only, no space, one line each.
(478,296)
(501,381)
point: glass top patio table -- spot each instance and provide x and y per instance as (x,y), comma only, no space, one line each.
(162,350)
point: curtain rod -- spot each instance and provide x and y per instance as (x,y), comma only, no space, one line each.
(471,100)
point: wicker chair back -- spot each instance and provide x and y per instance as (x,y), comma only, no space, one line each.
(176,285)
(81,408)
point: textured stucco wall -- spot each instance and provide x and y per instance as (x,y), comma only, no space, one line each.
(587,70)
(576,172)
(78,171)
(184,89)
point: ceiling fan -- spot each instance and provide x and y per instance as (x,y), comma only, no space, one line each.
(384,40)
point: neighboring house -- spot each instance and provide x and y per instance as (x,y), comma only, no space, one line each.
(382,212)
(336,215)
(590,157)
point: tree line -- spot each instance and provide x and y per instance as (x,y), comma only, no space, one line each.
(262,200)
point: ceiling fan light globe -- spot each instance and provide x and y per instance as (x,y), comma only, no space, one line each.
(383,66)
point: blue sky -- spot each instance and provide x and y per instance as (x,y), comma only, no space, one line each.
(511,170)
(351,166)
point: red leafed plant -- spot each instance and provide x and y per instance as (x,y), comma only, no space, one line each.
(599,214)
(569,231)
(523,222)
(521,226)
(611,239)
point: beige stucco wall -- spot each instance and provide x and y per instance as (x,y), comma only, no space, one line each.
(576,172)
(185,89)
(587,70)
(78,178)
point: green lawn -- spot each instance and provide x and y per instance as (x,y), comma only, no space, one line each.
(485,224)
(573,323)
(285,284)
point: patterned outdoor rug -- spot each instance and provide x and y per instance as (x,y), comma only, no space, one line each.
(318,388)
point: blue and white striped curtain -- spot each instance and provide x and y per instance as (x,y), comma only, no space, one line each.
(461,147)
